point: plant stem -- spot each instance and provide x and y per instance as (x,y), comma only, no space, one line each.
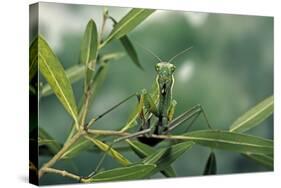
(119,133)
(173,137)
(63,173)
(107,133)
(46,166)
(86,106)
(60,153)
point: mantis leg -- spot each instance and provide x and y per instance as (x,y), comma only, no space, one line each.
(193,112)
(171,110)
(111,109)
(133,135)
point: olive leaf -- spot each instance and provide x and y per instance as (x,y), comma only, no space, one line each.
(54,73)
(128,23)
(133,172)
(110,151)
(211,165)
(74,74)
(129,47)
(230,141)
(143,150)
(89,46)
(254,116)
(165,157)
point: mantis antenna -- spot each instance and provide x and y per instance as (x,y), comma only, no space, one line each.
(159,59)
(180,53)
(150,52)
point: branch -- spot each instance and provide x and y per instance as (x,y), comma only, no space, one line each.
(107,133)
(59,154)
(63,173)
(127,134)
(46,166)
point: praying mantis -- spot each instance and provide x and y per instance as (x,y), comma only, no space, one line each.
(157,114)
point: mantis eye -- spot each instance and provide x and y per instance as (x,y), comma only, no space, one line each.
(173,68)
(157,67)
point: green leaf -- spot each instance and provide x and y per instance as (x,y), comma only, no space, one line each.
(112,56)
(143,150)
(230,141)
(74,74)
(110,151)
(81,145)
(254,116)
(53,72)
(33,58)
(265,160)
(165,157)
(133,172)
(133,117)
(130,49)
(89,48)
(211,165)
(51,144)
(128,23)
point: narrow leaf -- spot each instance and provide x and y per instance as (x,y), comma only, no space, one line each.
(130,49)
(53,72)
(33,58)
(254,116)
(133,172)
(166,156)
(128,23)
(74,74)
(112,56)
(110,151)
(143,150)
(230,141)
(265,160)
(89,48)
(163,158)
(211,165)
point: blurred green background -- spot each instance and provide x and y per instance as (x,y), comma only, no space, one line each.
(229,69)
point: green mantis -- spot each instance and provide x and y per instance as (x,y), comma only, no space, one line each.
(157,114)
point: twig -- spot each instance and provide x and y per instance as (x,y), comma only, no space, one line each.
(173,137)
(107,133)
(119,133)
(63,173)
(59,154)
(104,133)
(86,104)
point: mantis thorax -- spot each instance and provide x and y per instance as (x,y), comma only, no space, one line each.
(165,82)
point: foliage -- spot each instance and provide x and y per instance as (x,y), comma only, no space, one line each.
(92,69)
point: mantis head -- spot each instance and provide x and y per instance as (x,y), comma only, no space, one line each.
(165,69)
